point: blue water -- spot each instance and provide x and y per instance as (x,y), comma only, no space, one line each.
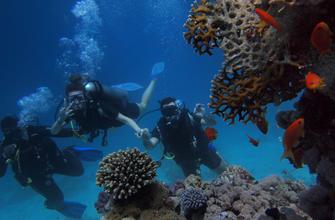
(118,42)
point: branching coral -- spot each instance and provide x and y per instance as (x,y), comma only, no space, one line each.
(201,34)
(124,173)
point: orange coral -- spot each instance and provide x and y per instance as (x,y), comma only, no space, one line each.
(201,34)
(237,94)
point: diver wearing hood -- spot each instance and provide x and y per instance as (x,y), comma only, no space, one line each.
(183,138)
(34,158)
(94,108)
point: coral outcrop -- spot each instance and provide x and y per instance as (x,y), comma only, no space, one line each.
(151,203)
(235,194)
(262,65)
(125,173)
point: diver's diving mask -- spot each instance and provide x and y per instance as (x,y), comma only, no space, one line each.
(77,100)
(172,112)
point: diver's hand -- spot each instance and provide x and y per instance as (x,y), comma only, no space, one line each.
(9,151)
(66,112)
(144,134)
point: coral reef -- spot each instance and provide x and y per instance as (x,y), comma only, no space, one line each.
(235,194)
(125,173)
(266,65)
(318,151)
(262,65)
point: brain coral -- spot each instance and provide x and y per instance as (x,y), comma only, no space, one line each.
(124,173)
(193,200)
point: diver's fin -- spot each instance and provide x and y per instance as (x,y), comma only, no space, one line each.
(157,69)
(88,153)
(73,210)
(129,86)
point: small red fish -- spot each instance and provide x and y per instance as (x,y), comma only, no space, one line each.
(292,137)
(321,37)
(211,133)
(314,81)
(267,18)
(253,141)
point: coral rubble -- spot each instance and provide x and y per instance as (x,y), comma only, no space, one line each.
(125,173)
(262,65)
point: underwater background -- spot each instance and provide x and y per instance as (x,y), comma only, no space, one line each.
(115,42)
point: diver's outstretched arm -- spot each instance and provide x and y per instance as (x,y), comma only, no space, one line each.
(57,126)
(130,122)
(147,95)
(46,131)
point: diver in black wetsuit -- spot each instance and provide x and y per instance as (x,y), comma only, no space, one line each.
(34,158)
(95,107)
(183,138)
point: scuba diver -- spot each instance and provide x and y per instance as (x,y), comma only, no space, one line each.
(183,138)
(95,107)
(34,158)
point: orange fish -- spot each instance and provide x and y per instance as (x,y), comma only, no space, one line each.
(314,81)
(253,141)
(211,133)
(292,137)
(321,37)
(267,18)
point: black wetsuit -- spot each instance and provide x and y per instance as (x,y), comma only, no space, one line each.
(37,158)
(187,141)
(103,109)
